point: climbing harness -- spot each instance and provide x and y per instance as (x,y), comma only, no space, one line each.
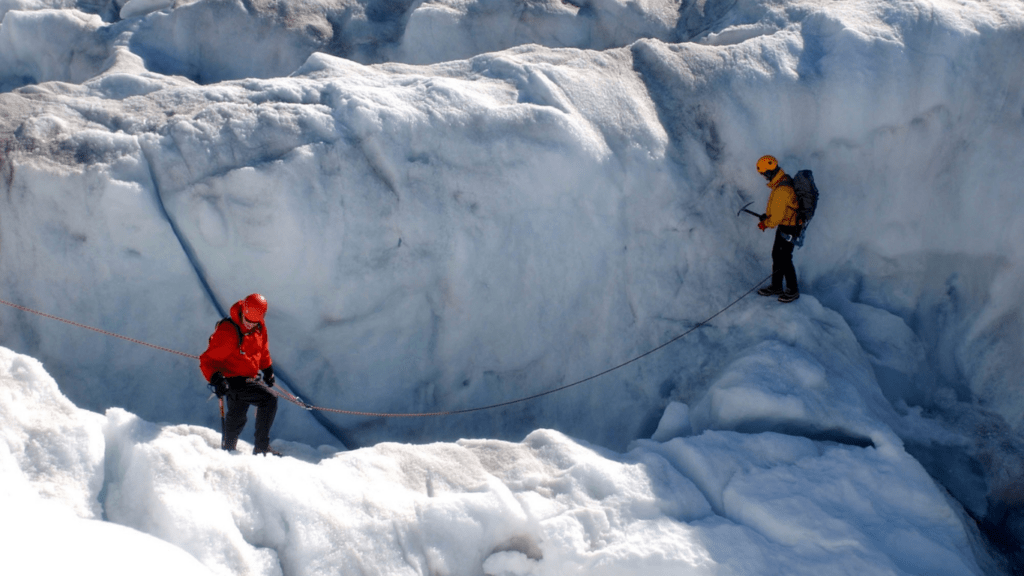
(284,394)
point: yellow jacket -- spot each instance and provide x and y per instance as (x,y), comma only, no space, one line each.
(782,204)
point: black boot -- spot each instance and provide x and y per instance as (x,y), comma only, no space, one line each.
(789,296)
(770,291)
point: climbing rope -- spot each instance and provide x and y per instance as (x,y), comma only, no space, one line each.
(299,402)
(132,340)
(284,394)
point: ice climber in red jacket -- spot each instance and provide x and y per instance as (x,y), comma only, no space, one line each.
(232,363)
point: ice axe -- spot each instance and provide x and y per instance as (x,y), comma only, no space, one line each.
(751,212)
(223,423)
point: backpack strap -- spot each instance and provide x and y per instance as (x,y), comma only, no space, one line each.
(238,329)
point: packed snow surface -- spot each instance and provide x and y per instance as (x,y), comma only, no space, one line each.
(451,204)
(717,503)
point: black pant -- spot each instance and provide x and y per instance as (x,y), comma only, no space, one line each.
(782,259)
(240,396)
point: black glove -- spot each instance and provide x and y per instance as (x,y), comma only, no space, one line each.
(219,384)
(268,376)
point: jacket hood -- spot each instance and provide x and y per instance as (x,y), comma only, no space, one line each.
(236,316)
(779,179)
(236,312)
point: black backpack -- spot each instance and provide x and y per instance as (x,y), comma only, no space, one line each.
(238,328)
(806,196)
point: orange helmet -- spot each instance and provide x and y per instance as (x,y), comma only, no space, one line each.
(766,164)
(254,307)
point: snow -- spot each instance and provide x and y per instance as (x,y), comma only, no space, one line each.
(719,502)
(52,465)
(451,204)
(674,422)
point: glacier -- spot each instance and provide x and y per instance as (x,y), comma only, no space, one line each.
(450,204)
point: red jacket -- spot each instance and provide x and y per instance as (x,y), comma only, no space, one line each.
(225,354)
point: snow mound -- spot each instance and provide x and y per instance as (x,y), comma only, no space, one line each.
(549,505)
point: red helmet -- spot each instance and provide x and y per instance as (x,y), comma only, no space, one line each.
(254,307)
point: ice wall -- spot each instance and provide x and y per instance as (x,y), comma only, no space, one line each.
(443,219)
(444,236)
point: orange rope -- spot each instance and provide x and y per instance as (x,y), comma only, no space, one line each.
(132,340)
(282,393)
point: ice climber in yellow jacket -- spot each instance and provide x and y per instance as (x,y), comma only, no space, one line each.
(781,214)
